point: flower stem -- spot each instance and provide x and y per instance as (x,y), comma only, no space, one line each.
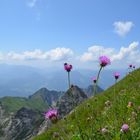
(115,86)
(69,79)
(95,90)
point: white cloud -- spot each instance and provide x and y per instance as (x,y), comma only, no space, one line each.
(59,54)
(56,54)
(32,3)
(122,28)
(94,52)
(119,58)
(128,53)
(125,52)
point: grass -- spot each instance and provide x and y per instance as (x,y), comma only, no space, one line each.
(107,110)
(12,104)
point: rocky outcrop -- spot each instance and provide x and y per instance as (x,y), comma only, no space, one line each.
(72,98)
(21,126)
(5,122)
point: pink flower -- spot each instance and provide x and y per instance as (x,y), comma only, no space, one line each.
(124,128)
(52,115)
(67,67)
(94,79)
(116,75)
(104,60)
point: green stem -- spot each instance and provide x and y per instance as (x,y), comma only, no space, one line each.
(115,86)
(69,79)
(115,100)
(80,132)
(97,79)
(94,88)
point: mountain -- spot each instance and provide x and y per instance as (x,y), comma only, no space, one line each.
(72,98)
(18,80)
(21,118)
(48,96)
(102,116)
(21,125)
(89,90)
(13,104)
(40,100)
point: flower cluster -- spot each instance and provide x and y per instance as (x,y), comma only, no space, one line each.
(132,66)
(67,67)
(104,60)
(52,115)
(125,128)
(116,75)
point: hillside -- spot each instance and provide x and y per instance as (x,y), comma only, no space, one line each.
(13,104)
(40,101)
(101,117)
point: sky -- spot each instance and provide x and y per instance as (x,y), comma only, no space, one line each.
(47,33)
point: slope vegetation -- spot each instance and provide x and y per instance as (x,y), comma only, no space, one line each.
(101,117)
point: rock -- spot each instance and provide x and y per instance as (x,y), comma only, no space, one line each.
(23,125)
(73,97)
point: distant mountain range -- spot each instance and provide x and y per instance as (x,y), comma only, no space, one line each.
(89,91)
(24,116)
(16,80)
(21,117)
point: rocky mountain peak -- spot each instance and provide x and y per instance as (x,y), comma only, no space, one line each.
(49,96)
(73,97)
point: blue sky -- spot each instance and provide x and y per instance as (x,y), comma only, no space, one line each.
(76,25)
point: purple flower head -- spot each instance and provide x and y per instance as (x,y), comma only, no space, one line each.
(134,67)
(104,60)
(94,79)
(124,128)
(67,67)
(130,65)
(52,113)
(116,75)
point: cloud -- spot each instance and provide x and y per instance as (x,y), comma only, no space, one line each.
(122,28)
(31,3)
(94,52)
(119,58)
(56,54)
(125,52)
(128,53)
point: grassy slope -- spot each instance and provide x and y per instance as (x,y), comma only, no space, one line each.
(12,104)
(93,114)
